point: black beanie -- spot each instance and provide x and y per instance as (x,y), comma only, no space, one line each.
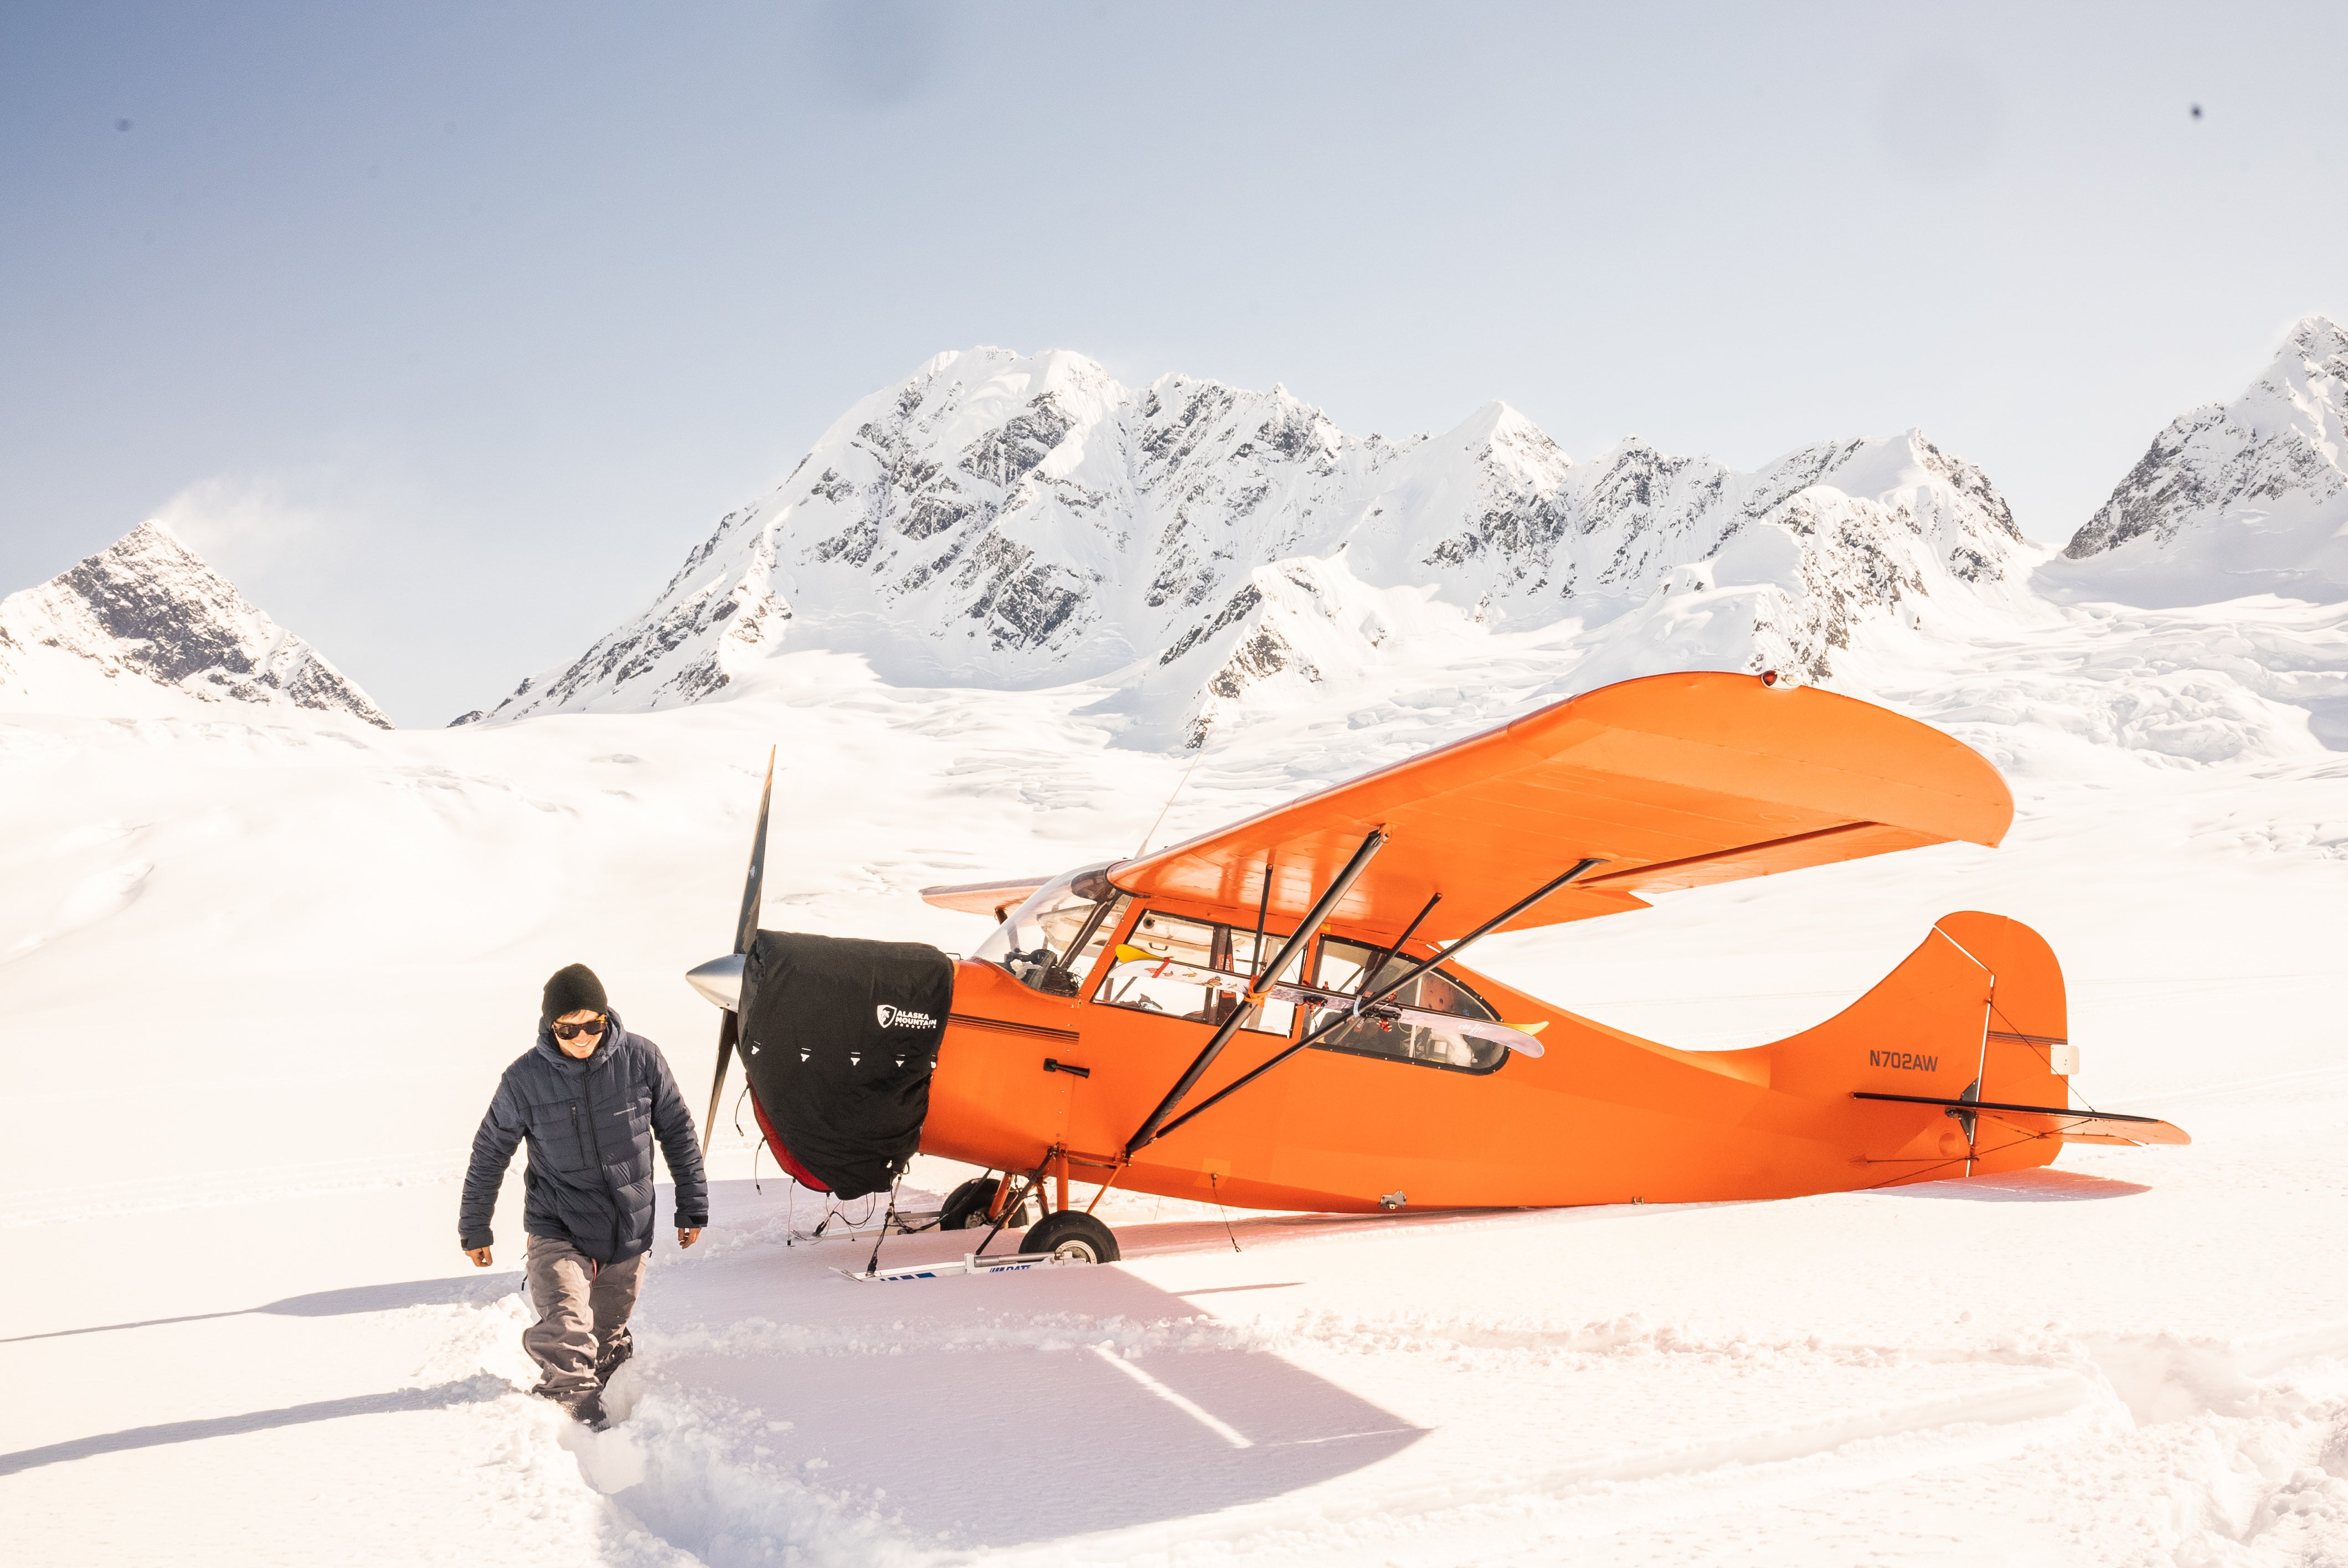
(572,989)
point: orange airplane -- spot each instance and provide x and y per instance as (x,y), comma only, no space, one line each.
(1274,1015)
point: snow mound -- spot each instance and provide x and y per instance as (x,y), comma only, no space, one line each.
(1015,522)
(144,627)
(2231,499)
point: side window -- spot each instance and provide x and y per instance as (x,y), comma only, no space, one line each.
(1426,1042)
(1241,959)
(1174,965)
(1093,939)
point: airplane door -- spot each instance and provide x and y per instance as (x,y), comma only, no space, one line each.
(1052,1103)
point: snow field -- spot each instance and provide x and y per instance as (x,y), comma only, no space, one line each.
(260,974)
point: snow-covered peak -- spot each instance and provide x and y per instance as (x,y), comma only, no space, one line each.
(2235,499)
(147,626)
(1017,520)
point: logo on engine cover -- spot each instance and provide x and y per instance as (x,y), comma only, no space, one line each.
(903,1018)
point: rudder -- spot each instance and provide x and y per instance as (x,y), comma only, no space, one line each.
(1976,1011)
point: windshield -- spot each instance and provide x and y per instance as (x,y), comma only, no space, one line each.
(1050,941)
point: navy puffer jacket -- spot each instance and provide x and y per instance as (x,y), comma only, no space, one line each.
(591,1126)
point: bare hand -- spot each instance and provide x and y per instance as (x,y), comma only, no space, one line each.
(684,1237)
(480,1254)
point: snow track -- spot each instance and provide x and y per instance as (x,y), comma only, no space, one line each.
(233,1164)
(2042,1444)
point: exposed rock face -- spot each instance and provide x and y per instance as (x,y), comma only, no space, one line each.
(2242,497)
(148,616)
(1003,521)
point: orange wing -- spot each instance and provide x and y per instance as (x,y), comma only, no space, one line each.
(1675,781)
(982,898)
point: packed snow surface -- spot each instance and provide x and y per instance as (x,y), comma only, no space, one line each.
(260,973)
(262,961)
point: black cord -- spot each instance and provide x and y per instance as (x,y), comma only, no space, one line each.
(1972,1152)
(1216,1183)
(755,1145)
(2017,1028)
(873,1263)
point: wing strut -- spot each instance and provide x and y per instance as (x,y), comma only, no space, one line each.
(1154,1131)
(745,931)
(1306,929)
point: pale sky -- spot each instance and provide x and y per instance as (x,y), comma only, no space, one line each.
(447,330)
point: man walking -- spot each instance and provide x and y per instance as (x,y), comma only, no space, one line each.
(591,1098)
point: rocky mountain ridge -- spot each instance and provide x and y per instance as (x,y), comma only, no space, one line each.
(1017,521)
(2234,498)
(146,624)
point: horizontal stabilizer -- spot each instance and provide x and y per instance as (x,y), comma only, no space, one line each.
(2058,1122)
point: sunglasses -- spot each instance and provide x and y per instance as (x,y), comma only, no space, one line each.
(574,1030)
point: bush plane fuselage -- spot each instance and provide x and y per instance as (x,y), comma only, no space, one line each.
(1275,1015)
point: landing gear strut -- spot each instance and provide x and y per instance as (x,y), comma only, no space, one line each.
(1067,1234)
(970,1207)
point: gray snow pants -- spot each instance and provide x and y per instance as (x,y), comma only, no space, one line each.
(581,1306)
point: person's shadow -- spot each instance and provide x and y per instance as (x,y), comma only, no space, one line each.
(467,1392)
(456,1291)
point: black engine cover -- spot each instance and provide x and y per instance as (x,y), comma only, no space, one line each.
(840,1037)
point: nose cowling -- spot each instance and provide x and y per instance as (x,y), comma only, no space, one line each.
(720,980)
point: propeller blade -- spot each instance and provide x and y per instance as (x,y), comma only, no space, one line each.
(746,929)
(726,1032)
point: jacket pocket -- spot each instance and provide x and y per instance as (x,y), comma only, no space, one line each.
(558,1135)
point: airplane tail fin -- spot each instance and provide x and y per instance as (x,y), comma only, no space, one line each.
(1975,1015)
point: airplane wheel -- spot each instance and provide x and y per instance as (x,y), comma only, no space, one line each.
(965,1208)
(1072,1237)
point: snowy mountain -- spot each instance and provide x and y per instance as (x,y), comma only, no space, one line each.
(147,625)
(2235,499)
(1011,521)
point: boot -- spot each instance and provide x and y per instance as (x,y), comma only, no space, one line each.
(613,1356)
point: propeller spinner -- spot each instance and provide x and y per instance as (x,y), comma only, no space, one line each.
(720,980)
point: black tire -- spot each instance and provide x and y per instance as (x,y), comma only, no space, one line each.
(1073,1236)
(965,1208)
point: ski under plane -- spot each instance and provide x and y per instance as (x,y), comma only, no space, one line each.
(1274,1015)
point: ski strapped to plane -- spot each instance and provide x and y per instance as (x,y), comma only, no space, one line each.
(1135,963)
(1164,1119)
(969,1262)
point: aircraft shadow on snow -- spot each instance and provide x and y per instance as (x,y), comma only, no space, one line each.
(2043,1185)
(934,1391)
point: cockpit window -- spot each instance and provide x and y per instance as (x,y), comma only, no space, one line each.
(1170,965)
(1426,1043)
(1051,941)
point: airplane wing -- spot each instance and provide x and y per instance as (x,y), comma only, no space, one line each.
(982,898)
(1676,780)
